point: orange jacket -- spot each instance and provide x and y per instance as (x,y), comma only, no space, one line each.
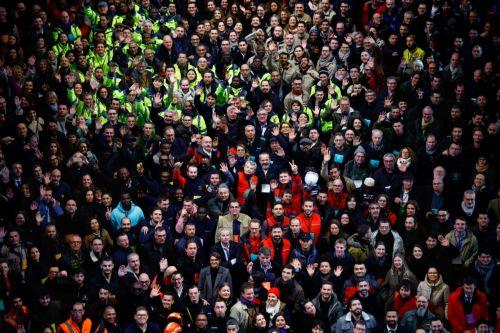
(310,224)
(285,250)
(243,186)
(69,326)
(271,221)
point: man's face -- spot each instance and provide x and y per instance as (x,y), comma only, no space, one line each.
(107,267)
(44,301)
(391,318)
(436,326)
(220,309)
(194,295)
(326,291)
(286,274)
(109,315)
(460,226)
(248,294)
(264,260)
(77,313)
(356,307)
(307,207)
(141,317)
(363,288)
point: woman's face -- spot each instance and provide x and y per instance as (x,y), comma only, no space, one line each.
(302,118)
(191,76)
(225,292)
(240,151)
(280,322)
(34,254)
(432,274)
(260,321)
(410,210)
(382,202)
(299,52)
(380,251)
(20,219)
(405,153)
(274,7)
(53,148)
(344,219)
(292,22)
(285,128)
(365,56)
(398,262)
(89,196)
(25,191)
(272,299)
(417,253)
(334,229)
(324,267)
(106,200)
(351,204)
(94,225)
(78,89)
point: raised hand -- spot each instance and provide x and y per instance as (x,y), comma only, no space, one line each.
(39,218)
(223,168)
(338,271)
(311,269)
(155,291)
(163,264)
(294,167)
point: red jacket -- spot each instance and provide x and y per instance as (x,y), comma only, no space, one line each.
(251,245)
(295,186)
(285,250)
(456,314)
(403,306)
(244,186)
(311,224)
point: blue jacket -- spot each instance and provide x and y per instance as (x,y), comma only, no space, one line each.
(135,215)
(152,328)
(345,323)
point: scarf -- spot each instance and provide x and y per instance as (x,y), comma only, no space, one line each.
(485,271)
(376,147)
(248,303)
(325,62)
(344,55)
(273,310)
(482,169)
(426,124)
(467,211)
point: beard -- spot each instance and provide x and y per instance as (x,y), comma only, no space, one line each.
(420,312)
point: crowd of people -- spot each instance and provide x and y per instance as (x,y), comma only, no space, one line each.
(249,166)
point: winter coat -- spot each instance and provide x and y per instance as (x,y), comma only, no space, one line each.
(437,294)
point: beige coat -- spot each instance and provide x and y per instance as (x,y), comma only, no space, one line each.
(226,222)
(437,295)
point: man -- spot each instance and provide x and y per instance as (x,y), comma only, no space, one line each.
(141,323)
(109,322)
(280,247)
(420,318)
(194,305)
(76,322)
(235,221)
(310,222)
(465,242)
(126,208)
(306,253)
(467,306)
(348,322)
(468,207)
(291,291)
(392,240)
(44,311)
(328,306)
(391,323)
(219,205)
(212,277)
(252,240)
(437,326)
(220,317)
(245,309)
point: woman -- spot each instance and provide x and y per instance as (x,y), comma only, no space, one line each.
(417,262)
(291,28)
(281,324)
(259,324)
(225,294)
(378,263)
(326,243)
(383,200)
(436,291)
(399,271)
(273,305)
(406,161)
(97,232)
(37,269)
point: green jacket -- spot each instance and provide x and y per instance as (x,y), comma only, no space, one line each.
(468,252)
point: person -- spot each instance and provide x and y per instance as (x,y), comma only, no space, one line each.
(466,306)
(420,318)
(392,324)
(142,323)
(436,291)
(349,322)
(76,322)
(147,120)
(328,306)
(245,309)
(212,277)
